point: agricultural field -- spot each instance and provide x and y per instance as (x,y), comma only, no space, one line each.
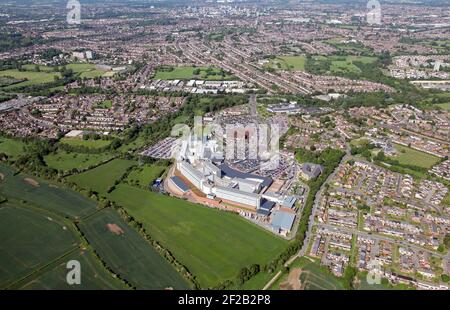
(31,77)
(409,156)
(306,274)
(128,254)
(94,275)
(11,147)
(101,178)
(65,161)
(44,195)
(188,73)
(31,242)
(212,244)
(93,144)
(145,175)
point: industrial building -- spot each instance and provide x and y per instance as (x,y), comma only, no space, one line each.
(238,196)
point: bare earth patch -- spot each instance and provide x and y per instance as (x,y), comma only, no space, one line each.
(292,282)
(2,177)
(115,229)
(32,182)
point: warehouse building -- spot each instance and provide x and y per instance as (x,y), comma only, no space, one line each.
(193,175)
(238,196)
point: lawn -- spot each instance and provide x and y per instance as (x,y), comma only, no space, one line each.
(44,195)
(101,178)
(314,276)
(67,161)
(93,277)
(28,241)
(409,156)
(93,144)
(128,254)
(444,106)
(294,62)
(187,73)
(86,70)
(145,175)
(212,244)
(32,78)
(12,148)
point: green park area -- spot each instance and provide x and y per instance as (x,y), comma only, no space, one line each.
(145,175)
(67,161)
(340,65)
(13,148)
(444,106)
(288,62)
(102,178)
(91,143)
(212,244)
(28,78)
(409,156)
(188,73)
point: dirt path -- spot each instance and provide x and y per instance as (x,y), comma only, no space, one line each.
(2,177)
(32,182)
(293,281)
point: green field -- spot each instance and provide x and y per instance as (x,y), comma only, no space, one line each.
(145,175)
(47,196)
(212,244)
(93,275)
(340,65)
(287,63)
(187,73)
(28,241)
(128,254)
(444,106)
(93,144)
(409,156)
(313,276)
(67,161)
(101,178)
(12,148)
(86,70)
(32,78)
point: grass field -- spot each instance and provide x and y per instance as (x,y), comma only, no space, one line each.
(93,144)
(101,178)
(213,245)
(444,106)
(409,156)
(47,196)
(67,161)
(86,70)
(294,62)
(12,148)
(28,241)
(187,73)
(93,277)
(33,78)
(145,175)
(313,276)
(339,64)
(128,254)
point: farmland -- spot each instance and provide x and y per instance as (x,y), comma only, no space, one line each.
(94,144)
(312,276)
(12,148)
(31,242)
(47,196)
(128,254)
(65,161)
(409,156)
(101,178)
(146,175)
(94,275)
(212,244)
